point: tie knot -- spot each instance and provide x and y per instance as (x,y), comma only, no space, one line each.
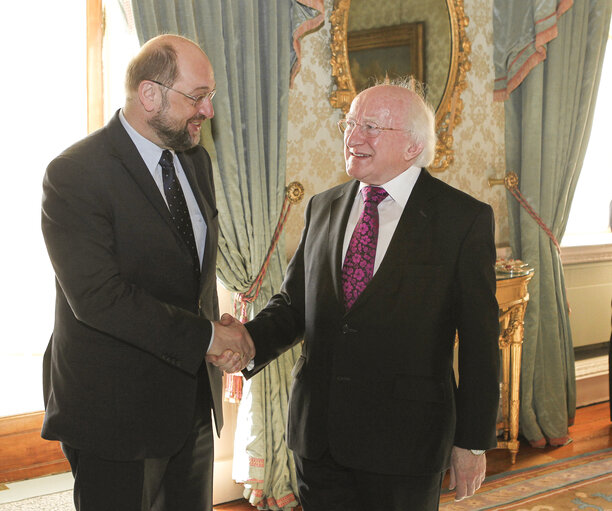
(166,160)
(374,194)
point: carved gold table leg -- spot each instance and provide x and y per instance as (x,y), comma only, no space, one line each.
(512,297)
(513,443)
(516,347)
(505,390)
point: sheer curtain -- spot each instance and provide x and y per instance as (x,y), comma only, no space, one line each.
(548,57)
(254,48)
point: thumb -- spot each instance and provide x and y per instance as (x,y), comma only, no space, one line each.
(452,483)
(226,319)
(212,359)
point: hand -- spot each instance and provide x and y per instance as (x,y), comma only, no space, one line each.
(228,361)
(232,347)
(467,472)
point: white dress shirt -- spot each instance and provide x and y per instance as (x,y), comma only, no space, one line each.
(151,154)
(389,211)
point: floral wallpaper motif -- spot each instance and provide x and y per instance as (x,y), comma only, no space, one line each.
(314,145)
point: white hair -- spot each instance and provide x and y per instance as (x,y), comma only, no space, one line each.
(422,119)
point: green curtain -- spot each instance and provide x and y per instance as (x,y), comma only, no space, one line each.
(548,121)
(253,46)
(521,31)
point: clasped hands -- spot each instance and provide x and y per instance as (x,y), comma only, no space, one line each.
(232,347)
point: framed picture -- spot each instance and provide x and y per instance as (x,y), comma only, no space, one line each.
(393,51)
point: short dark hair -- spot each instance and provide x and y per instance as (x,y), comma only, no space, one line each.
(159,63)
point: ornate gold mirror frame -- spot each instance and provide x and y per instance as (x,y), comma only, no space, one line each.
(448,113)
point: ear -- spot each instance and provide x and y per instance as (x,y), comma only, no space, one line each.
(413,150)
(149,95)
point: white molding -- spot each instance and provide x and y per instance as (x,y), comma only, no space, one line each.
(586,254)
(591,367)
(592,384)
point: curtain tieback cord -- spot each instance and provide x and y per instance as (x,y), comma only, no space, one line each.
(294,193)
(510,181)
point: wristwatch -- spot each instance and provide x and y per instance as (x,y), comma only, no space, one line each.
(477,452)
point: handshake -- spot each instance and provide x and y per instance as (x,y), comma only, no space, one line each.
(231,348)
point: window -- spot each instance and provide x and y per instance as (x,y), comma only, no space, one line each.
(44,104)
(590,216)
(45,109)
(120,44)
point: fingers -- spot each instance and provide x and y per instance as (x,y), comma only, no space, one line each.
(221,360)
(249,352)
(228,361)
(232,347)
(452,483)
(467,472)
(231,335)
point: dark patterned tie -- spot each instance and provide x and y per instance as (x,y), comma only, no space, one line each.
(359,261)
(178,206)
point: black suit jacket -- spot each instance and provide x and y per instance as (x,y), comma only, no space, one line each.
(132,320)
(375,385)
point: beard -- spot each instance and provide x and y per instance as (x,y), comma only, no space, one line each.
(176,138)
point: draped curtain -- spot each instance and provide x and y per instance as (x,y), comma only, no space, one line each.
(549,110)
(254,49)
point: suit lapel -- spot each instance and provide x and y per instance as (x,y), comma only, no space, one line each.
(125,150)
(205,208)
(413,224)
(190,172)
(406,241)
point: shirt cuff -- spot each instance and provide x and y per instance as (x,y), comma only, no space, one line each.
(212,336)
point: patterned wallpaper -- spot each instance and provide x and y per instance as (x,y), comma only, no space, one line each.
(314,146)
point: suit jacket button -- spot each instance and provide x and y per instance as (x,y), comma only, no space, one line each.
(343,379)
(345,329)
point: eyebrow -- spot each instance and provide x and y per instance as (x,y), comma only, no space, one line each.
(203,89)
(364,119)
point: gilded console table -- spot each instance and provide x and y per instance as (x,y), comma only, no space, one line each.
(512,297)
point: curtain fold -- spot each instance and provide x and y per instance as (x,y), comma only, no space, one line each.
(548,121)
(254,49)
(522,30)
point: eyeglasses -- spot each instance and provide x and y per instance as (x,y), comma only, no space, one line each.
(369,129)
(197,100)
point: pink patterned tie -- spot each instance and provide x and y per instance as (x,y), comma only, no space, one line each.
(359,261)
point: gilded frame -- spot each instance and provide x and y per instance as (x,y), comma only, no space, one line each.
(448,113)
(404,41)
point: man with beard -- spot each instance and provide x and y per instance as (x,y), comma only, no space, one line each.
(130,224)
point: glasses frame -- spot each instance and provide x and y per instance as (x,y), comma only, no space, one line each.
(197,100)
(366,131)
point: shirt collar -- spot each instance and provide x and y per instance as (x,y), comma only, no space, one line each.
(400,187)
(150,152)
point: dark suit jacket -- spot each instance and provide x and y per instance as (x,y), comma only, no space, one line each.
(132,321)
(375,385)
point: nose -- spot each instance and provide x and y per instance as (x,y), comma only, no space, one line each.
(353,137)
(207,109)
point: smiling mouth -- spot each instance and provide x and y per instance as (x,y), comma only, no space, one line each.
(197,120)
(359,155)
(196,124)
